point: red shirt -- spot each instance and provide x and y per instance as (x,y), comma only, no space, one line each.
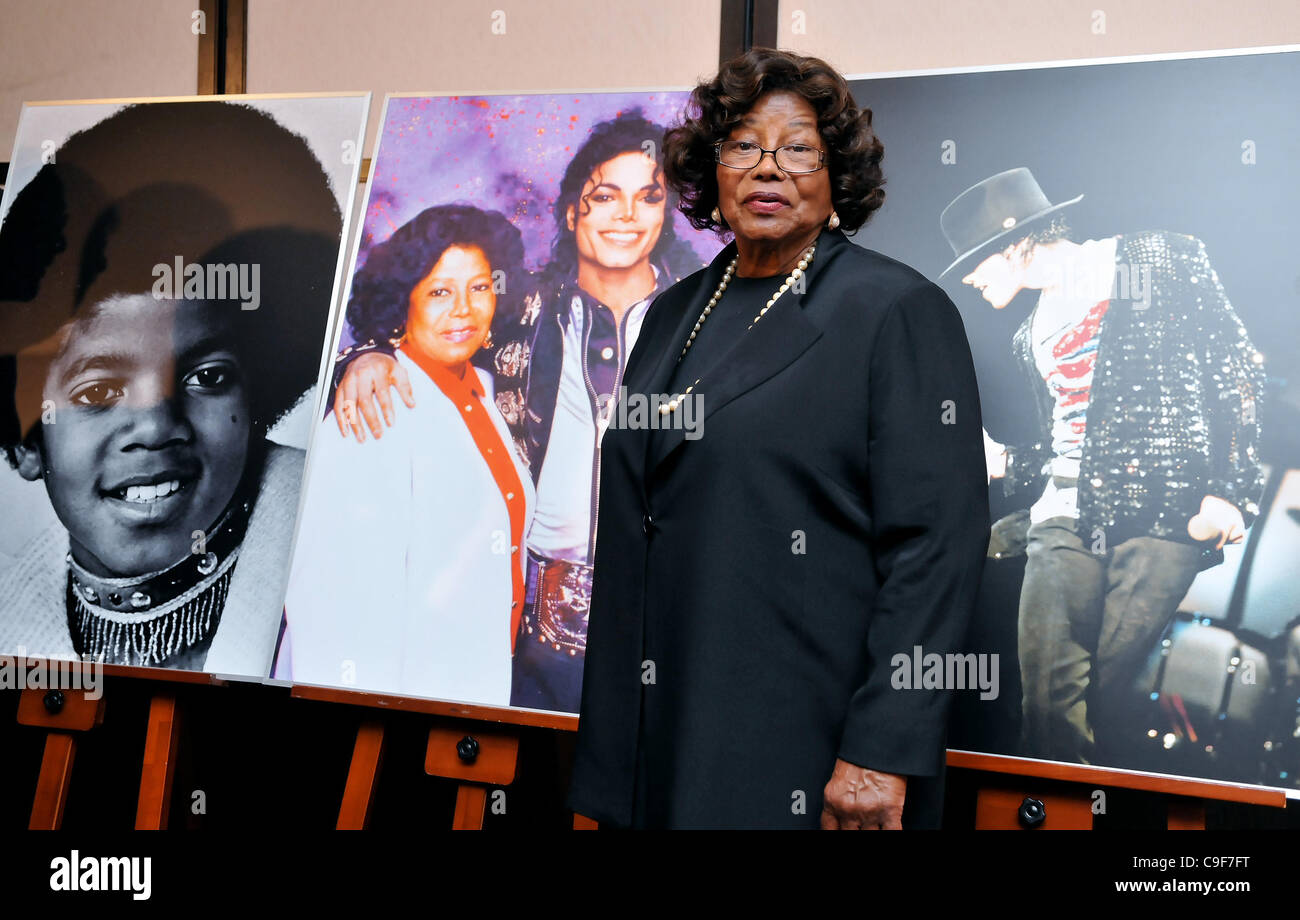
(466,394)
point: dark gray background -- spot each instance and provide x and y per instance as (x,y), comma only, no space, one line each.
(1151,145)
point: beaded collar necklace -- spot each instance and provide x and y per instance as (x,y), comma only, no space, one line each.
(144,620)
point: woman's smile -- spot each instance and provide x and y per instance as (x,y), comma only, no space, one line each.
(460,334)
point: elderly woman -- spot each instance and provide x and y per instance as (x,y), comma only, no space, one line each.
(408,574)
(763,586)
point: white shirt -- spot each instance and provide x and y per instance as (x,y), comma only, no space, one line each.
(1090,278)
(401,579)
(566,484)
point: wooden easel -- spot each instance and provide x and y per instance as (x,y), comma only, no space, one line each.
(161,743)
(160,748)
(476,746)
(477,755)
(65,712)
(1066,792)
(363,774)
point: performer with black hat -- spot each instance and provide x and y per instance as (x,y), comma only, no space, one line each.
(1147,390)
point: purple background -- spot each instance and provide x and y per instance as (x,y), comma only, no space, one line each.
(501,153)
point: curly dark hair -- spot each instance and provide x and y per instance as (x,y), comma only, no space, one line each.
(626,133)
(1055,230)
(718,105)
(381,290)
(207,182)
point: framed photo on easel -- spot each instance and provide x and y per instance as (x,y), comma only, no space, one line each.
(169,268)
(510,249)
(1117,234)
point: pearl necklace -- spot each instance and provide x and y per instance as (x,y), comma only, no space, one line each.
(794,276)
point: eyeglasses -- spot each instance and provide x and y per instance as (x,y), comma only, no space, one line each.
(791,158)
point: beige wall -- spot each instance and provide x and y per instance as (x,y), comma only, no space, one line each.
(441,47)
(70,49)
(885,36)
(92,49)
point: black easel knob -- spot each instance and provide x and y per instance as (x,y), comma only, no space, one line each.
(1032,812)
(54,701)
(467,749)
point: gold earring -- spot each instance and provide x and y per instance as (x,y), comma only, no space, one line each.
(487,342)
(834,222)
(716,215)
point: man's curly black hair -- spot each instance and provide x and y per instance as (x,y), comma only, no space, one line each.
(718,105)
(208,182)
(380,297)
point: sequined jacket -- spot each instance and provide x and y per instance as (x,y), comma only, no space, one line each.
(528,362)
(1174,412)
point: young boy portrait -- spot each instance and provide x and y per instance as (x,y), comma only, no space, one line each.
(141,403)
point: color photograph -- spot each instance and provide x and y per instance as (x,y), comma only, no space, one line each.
(1119,240)
(510,250)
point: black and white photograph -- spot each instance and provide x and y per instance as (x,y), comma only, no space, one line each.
(169,270)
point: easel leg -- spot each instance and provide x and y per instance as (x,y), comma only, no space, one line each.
(359,793)
(476,756)
(564,746)
(52,784)
(1186,814)
(61,712)
(159,763)
(471,800)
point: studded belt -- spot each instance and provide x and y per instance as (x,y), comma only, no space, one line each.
(557,599)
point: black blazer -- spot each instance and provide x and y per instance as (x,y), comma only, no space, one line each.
(753,586)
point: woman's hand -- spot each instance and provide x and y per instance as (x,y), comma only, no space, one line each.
(366,381)
(860,799)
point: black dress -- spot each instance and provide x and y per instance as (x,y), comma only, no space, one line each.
(720,333)
(727,322)
(724,329)
(753,586)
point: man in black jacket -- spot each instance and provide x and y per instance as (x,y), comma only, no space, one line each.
(1146,392)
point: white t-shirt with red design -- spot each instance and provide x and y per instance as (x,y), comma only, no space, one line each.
(1065,352)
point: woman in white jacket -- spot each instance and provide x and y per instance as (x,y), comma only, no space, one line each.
(408,572)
